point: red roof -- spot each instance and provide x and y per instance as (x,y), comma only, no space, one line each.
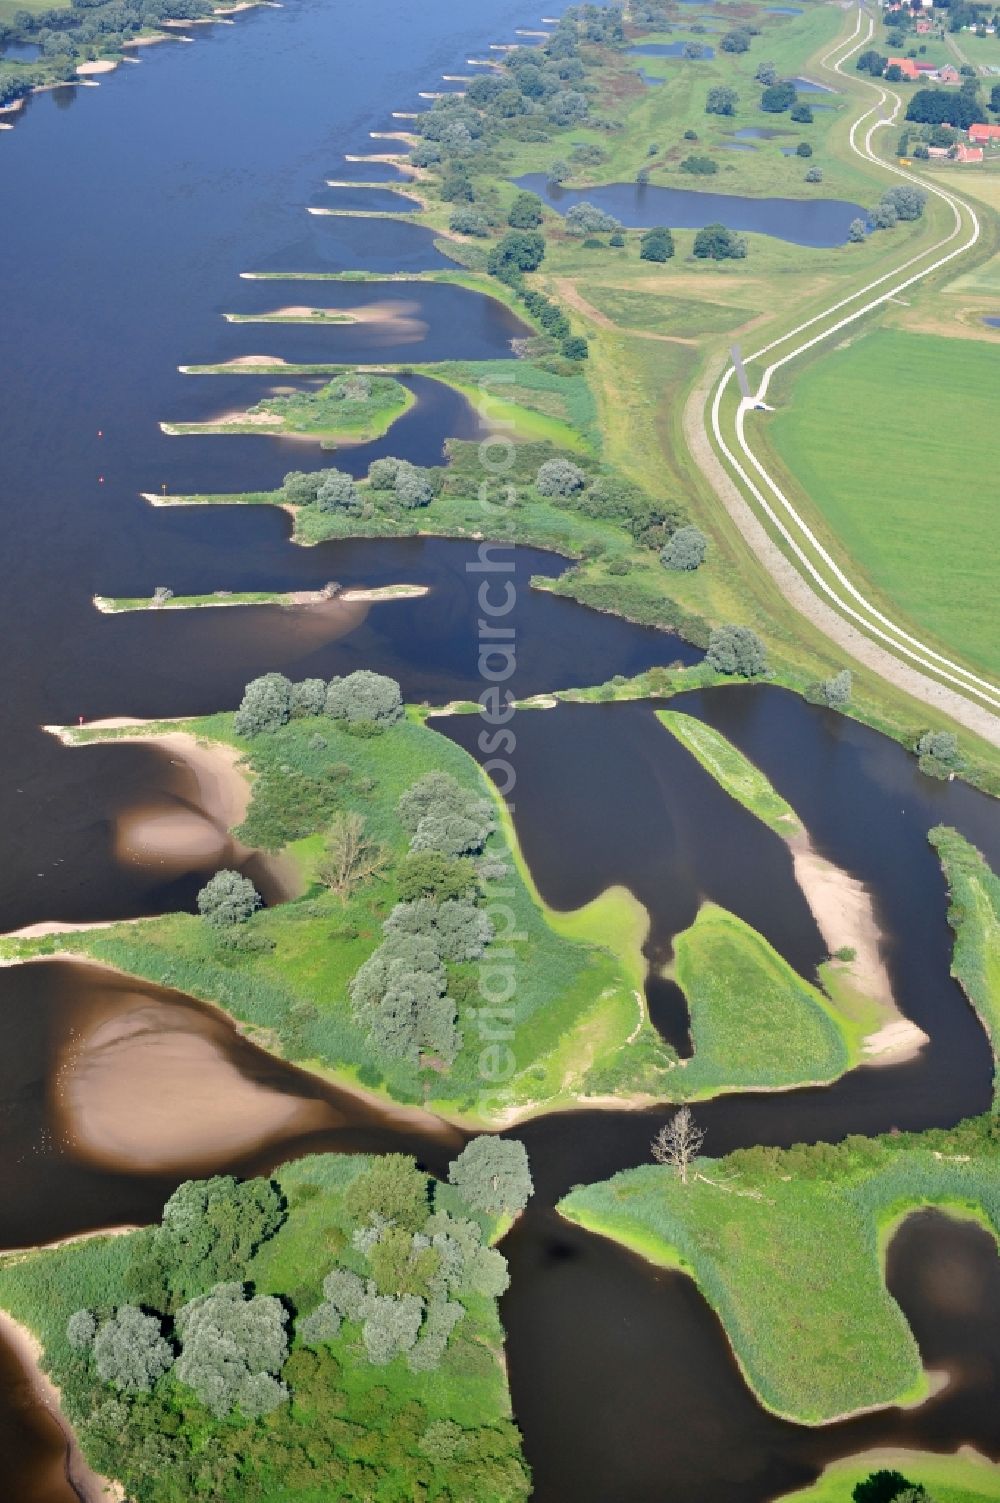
(906,66)
(981,133)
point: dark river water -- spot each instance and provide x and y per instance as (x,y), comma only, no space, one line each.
(130,212)
(803,221)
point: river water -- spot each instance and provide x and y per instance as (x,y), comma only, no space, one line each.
(130,212)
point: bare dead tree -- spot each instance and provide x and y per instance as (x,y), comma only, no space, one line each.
(678,1142)
(349,856)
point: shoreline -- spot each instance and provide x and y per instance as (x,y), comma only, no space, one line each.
(376,595)
(27,1350)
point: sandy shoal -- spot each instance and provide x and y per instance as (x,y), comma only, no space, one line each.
(99,65)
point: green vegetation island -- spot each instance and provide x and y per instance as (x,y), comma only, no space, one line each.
(333,1326)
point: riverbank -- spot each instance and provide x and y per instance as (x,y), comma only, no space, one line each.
(974,915)
(82,1481)
(377,595)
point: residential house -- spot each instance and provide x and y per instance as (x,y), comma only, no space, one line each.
(984,135)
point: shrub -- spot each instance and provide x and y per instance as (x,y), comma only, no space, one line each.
(228,898)
(685,550)
(266,704)
(938,753)
(857,231)
(492,1175)
(908,202)
(575,347)
(558,172)
(803,149)
(802,114)
(413,488)
(778,97)
(656,245)
(721,101)
(690,135)
(364,695)
(766,74)
(737,40)
(586,219)
(469,222)
(714,242)
(700,166)
(337,492)
(130,1351)
(559,477)
(617,240)
(736,649)
(431,874)
(525,212)
(836,691)
(814,175)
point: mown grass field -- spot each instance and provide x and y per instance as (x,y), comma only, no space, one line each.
(574,1001)
(787,1247)
(732,771)
(974,915)
(755,1023)
(891,438)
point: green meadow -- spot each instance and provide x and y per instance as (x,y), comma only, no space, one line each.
(890,437)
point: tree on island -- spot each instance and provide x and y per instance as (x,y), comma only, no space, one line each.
(678,1143)
(492,1176)
(364,695)
(338,492)
(266,704)
(228,899)
(349,856)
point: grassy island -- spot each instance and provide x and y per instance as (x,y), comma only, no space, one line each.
(334,1327)
(788,1247)
(736,773)
(975,917)
(352,409)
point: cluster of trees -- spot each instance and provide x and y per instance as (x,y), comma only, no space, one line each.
(737,40)
(400,996)
(397,481)
(958,107)
(700,165)
(685,550)
(903,201)
(419,1260)
(361,699)
(650,522)
(714,242)
(587,219)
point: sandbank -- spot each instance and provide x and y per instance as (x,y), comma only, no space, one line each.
(99,65)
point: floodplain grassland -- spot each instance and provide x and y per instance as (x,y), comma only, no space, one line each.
(788,1248)
(755,1023)
(906,502)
